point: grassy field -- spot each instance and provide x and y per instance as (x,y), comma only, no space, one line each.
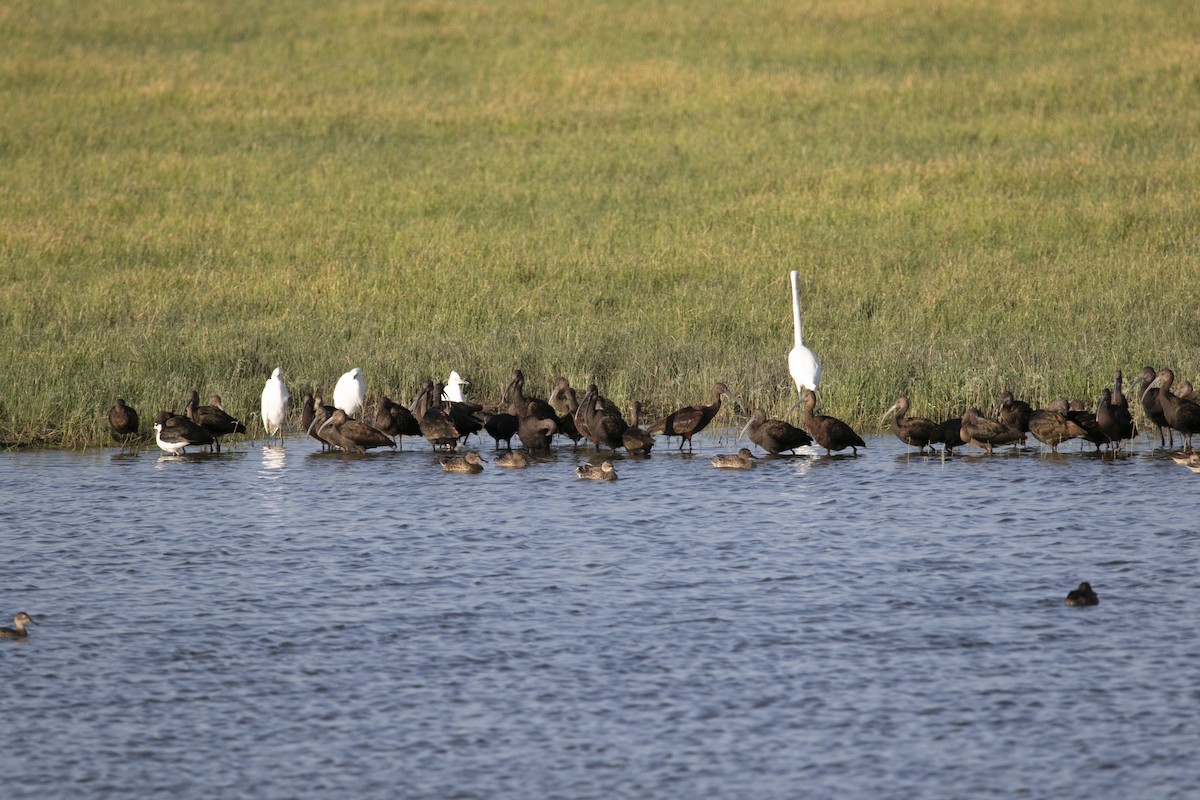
(978,196)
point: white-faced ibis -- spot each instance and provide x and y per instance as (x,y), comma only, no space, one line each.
(274,404)
(774,435)
(948,434)
(513,459)
(350,392)
(122,421)
(213,419)
(18,630)
(1187,392)
(354,435)
(605,425)
(1077,413)
(687,422)
(501,427)
(917,432)
(436,425)
(1182,415)
(566,404)
(1083,596)
(1013,413)
(465,416)
(453,391)
(802,363)
(395,420)
(743,459)
(604,472)
(985,432)
(536,421)
(174,433)
(1051,425)
(636,440)
(1152,406)
(469,463)
(1115,421)
(830,432)
(317,414)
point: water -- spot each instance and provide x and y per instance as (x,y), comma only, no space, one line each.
(280,623)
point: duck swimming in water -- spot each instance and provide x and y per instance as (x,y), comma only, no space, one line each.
(604,472)
(1083,596)
(743,460)
(18,631)
(468,463)
(513,459)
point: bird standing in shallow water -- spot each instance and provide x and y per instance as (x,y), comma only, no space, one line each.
(1052,426)
(453,390)
(742,460)
(1083,596)
(122,421)
(774,435)
(213,418)
(174,433)
(802,362)
(687,422)
(350,392)
(830,432)
(274,404)
(18,630)
(985,432)
(354,435)
(915,431)
(1152,407)
(1182,415)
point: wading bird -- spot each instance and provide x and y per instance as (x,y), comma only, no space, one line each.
(1114,420)
(350,392)
(122,421)
(173,433)
(830,432)
(213,419)
(436,425)
(605,425)
(354,435)
(690,420)
(274,404)
(1182,415)
(802,363)
(1052,426)
(774,435)
(536,421)
(1152,406)
(636,440)
(1013,413)
(395,420)
(985,432)
(453,391)
(949,434)
(917,432)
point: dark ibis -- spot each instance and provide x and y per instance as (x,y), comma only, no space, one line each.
(774,435)
(687,422)
(213,419)
(354,435)
(1052,426)
(122,421)
(1182,415)
(830,432)
(174,433)
(985,432)
(636,440)
(916,432)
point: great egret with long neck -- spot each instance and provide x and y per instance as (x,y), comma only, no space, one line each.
(802,362)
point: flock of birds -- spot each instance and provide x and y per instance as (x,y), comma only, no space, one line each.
(444,417)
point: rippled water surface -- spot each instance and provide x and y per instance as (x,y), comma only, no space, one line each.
(276,623)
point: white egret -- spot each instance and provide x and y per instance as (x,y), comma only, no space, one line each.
(274,404)
(453,389)
(802,362)
(350,392)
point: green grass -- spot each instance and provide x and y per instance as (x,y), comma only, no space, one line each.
(977,195)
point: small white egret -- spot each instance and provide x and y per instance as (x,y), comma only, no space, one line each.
(453,390)
(274,404)
(802,362)
(350,392)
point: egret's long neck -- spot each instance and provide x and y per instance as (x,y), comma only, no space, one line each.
(796,311)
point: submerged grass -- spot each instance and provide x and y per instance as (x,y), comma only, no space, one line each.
(978,196)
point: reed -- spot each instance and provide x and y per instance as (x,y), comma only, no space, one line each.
(978,196)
